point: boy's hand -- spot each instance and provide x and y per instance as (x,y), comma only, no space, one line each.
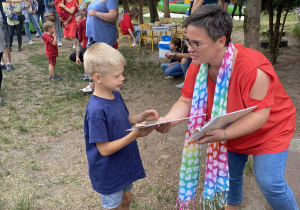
(141,132)
(150,115)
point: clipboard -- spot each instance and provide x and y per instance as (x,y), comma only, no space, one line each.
(219,122)
(153,124)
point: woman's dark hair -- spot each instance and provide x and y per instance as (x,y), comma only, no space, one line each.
(176,42)
(214,20)
(134,13)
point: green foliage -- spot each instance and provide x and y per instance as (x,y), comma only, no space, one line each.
(296,31)
(287,4)
(277,11)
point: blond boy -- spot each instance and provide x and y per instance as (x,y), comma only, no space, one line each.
(112,152)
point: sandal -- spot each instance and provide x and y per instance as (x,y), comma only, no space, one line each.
(87,89)
(169,77)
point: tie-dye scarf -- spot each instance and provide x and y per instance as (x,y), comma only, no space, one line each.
(216,174)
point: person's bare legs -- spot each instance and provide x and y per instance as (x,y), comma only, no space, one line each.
(7,55)
(229,207)
(126,200)
(51,70)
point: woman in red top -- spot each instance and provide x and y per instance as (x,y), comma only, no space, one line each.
(70,32)
(127,27)
(264,133)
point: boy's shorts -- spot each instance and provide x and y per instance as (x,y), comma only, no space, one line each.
(52,60)
(112,201)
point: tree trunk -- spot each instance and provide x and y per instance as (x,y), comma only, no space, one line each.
(166,9)
(152,10)
(125,6)
(252,24)
(141,12)
(276,39)
(271,30)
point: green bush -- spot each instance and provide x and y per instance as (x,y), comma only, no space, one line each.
(296,31)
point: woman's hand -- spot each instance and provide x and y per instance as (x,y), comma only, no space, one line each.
(92,13)
(215,135)
(163,128)
(150,115)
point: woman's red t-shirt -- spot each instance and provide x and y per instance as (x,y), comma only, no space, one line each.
(275,135)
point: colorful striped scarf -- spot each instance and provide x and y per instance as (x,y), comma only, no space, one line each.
(216,174)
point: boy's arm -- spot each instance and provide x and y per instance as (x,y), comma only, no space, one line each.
(109,148)
(54,43)
(148,115)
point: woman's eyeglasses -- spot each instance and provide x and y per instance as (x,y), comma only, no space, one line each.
(195,45)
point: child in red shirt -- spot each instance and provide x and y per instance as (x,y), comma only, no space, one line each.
(127,27)
(62,13)
(50,39)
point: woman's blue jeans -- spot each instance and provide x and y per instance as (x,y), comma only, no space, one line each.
(35,25)
(39,15)
(58,27)
(269,174)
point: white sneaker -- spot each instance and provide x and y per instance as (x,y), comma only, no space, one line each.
(30,42)
(73,46)
(133,44)
(180,85)
(59,44)
(37,34)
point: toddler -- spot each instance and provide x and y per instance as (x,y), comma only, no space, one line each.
(62,13)
(175,45)
(50,39)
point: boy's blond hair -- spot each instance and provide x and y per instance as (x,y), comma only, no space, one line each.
(47,25)
(101,58)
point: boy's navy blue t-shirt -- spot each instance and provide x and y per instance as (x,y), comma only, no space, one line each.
(106,120)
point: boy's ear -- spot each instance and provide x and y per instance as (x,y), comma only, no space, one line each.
(97,78)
